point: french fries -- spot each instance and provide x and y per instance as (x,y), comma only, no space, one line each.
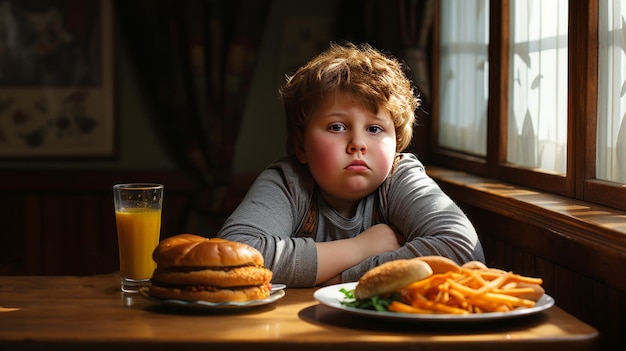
(469,291)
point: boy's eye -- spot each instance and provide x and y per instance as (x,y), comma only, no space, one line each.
(374,129)
(336,127)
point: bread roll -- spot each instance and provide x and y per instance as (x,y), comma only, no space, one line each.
(391,276)
(440,264)
(188,250)
(474,265)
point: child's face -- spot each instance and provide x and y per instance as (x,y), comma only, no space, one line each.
(349,150)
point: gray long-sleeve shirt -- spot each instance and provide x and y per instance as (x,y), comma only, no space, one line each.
(273,213)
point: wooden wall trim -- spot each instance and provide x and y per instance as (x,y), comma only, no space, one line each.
(90,180)
(585,220)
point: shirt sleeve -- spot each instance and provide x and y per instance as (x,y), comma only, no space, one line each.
(268,219)
(430,221)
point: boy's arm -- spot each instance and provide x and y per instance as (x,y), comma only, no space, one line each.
(267,218)
(333,257)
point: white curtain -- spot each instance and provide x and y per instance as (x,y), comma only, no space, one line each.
(464,75)
(611,135)
(538,71)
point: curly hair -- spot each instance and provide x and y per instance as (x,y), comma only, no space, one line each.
(371,78)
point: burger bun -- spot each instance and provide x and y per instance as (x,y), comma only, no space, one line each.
(440,264)
(391,276)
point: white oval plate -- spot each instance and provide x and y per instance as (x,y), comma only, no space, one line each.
(276,293)
(331,296)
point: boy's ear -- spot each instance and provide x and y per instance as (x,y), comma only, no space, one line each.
(301,155)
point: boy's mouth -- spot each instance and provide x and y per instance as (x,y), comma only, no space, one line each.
(357,165)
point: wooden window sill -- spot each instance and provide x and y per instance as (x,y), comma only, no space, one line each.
(582,221)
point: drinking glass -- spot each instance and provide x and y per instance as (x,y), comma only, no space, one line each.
(138,218)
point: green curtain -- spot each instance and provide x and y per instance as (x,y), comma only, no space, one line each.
(194,61)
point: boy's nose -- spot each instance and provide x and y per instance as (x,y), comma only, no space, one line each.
(356,144)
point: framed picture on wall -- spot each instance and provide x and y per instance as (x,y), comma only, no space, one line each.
(56,79)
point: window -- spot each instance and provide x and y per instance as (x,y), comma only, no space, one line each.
(533,92)
(537,85)
(464,78)
(611,133)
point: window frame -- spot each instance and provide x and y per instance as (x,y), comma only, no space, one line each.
(579,182)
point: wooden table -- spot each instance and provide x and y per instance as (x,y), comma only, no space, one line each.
(90,313)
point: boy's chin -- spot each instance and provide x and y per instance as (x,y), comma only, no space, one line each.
(356,190)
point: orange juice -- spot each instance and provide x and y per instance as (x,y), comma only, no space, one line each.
(138,232)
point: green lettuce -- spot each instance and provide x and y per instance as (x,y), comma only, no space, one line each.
(376,302)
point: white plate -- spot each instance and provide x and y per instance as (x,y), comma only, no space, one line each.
(276,293)
(331,296)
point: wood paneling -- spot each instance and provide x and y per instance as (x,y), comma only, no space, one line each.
(63,222)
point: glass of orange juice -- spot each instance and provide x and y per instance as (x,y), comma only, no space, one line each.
(138,218)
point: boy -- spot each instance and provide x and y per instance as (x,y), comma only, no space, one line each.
(346,198)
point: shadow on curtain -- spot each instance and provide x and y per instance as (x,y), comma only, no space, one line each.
(194,61)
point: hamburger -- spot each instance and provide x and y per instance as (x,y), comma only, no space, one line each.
(394,275)
(391,276)
(195,268)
